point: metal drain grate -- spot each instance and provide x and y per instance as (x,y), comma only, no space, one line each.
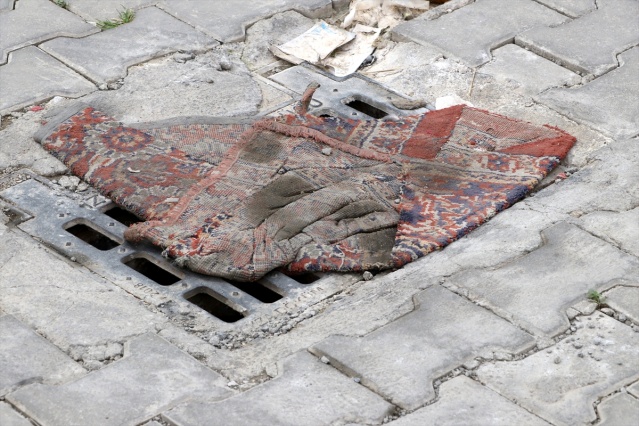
(90,231)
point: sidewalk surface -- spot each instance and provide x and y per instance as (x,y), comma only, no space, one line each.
(496,329)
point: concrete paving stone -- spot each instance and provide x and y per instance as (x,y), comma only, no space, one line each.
(590,43)
(572,8)
(64,303)
(620,409)
(307,392)
(105,57)
(102,10)
(395,58)
(401,360)
(43,75)
(561,383)
(534,73)
(625,300)
(463,401)
(610,182)
(620,228)
(34,21)
(609,103)
(470,33)
(6,5)
(10,417)
(276,30)
(25,357)
(535,290)
(153,376)
(634,389)
(227,21)
(197,87)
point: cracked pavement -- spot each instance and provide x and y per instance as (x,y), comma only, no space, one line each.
(495,329)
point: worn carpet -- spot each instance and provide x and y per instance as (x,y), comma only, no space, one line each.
(237,198)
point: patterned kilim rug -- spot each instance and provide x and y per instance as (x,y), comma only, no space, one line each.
(238,198)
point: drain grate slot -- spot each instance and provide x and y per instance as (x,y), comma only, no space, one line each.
(258,291)
(92,236)
(151,270)
(204,299)
(309,278)
(125,217)
(367,109)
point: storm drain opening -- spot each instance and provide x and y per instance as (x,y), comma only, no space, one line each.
(91,236)
(125,217)
(257,290)
(366,108)
(204,299)
(309,278)
(150,270)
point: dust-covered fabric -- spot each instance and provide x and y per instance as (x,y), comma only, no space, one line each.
(240,198)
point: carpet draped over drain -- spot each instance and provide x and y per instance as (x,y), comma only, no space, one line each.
(237,198)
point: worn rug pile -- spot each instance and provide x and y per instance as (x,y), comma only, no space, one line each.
(237,198)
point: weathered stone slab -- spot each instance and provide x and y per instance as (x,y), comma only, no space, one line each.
(307,392)
(62,302)
(463,401)
(34,21)
(634,389)
(572,8)
(608,103)
(620,228)
(536,289)
(26,357)
(10,417)
(105,57)
(625,300)
(588,44)
(153,376)
(470,33)
(227,21)
(105,9)
(618,410)
(561,383)
(276,30)
(400,361)
(534,73)
(44,76)
(610,182)
(197,87)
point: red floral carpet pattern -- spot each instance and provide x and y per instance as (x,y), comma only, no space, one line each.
(308,193)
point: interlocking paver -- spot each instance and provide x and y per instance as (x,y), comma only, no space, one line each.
(62,302)
(307,392)
(463,401)
(401,360)
(105,57)
(561,383)
(576,46)
(618,410)
(153,376)
(534,73)
(470,33)
(105,9)
(625,300)
(26,357)
(45,77)
(609,103)
(6,5)
(535,289)
(9,417)
(227,21)
(610,182)
(572,8)
(621,228)
(33,21)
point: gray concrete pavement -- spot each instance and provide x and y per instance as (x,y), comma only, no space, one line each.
(496,329)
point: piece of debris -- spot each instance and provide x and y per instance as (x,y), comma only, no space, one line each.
(449,101)
(383,13)
(367,275)
(349,58)
(327,151)
(325,360)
